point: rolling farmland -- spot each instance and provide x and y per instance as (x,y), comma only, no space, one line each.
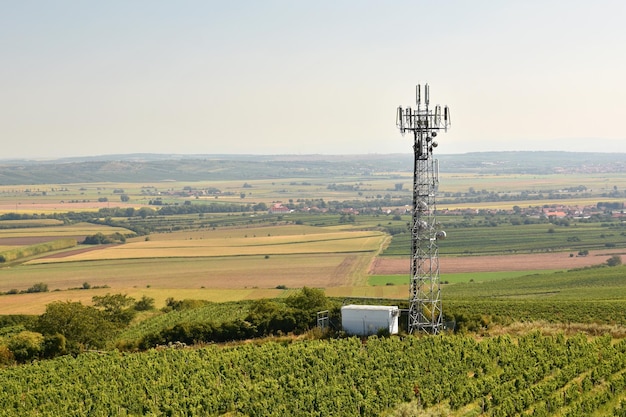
(537,310)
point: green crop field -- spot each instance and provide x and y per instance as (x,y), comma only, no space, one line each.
(494,236)
(403,279)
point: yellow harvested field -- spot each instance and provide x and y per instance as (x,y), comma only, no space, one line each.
(240,232)
(36,303)
(339,242)
(216,279)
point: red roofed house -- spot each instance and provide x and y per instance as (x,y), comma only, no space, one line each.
(278,208)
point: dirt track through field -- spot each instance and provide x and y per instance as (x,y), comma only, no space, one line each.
(530,262)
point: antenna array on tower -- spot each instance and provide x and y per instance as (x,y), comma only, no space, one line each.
(425,313)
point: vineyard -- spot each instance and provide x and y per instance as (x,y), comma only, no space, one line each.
(499,376)
(216,313)
(498,236)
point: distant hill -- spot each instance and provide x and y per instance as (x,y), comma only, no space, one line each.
(162,167)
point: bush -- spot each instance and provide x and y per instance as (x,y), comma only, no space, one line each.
(179,305)
(614,260)
(54,345)
(26,346)
(82,327)
(39,287)
(100,239)
(145,304)
(117,308)
(265,317)
(6,357)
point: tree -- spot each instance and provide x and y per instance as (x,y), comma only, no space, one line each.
(54,345)
(146,303)
(614,260)
(100,239)
(39,287)
(26,345)
(124,198)
(305,306)
(268,317)
(97,239)
(82,326)
(260,207)
(145,212)
(116,307)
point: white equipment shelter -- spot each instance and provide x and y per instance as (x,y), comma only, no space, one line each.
(364,320)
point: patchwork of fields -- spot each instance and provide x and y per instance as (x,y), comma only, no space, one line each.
(244,255)
(219,265)
(496,263)
(519,285)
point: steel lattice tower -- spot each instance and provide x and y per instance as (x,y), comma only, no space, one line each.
(425,313)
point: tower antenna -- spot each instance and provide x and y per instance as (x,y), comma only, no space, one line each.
(425,313)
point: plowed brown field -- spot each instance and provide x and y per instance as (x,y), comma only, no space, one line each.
(530,262)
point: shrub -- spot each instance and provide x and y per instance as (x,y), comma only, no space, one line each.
(39,287)
(54,345)
(26,345)
(146,303)
(82,326)
(101,239)
(614,260)
(6,357)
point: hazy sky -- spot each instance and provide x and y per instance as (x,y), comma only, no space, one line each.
(301,77)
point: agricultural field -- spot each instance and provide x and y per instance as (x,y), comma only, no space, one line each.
(216,239)
(534,297)
(534,374)
(241,262)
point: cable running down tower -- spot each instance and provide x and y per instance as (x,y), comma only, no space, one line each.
(425,313)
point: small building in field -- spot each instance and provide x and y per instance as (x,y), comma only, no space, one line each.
(365,320)
(278,208)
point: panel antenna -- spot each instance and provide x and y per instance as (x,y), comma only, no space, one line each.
(425,313)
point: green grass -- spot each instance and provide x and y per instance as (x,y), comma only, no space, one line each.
(599,283)
(404,279)
(474,238)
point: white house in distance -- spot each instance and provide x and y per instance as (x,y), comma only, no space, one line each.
(364,320)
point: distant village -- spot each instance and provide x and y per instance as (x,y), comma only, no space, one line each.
(388,205)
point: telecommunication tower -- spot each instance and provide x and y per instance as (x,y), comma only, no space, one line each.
(425,314)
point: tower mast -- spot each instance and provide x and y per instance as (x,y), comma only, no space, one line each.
(425,313)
